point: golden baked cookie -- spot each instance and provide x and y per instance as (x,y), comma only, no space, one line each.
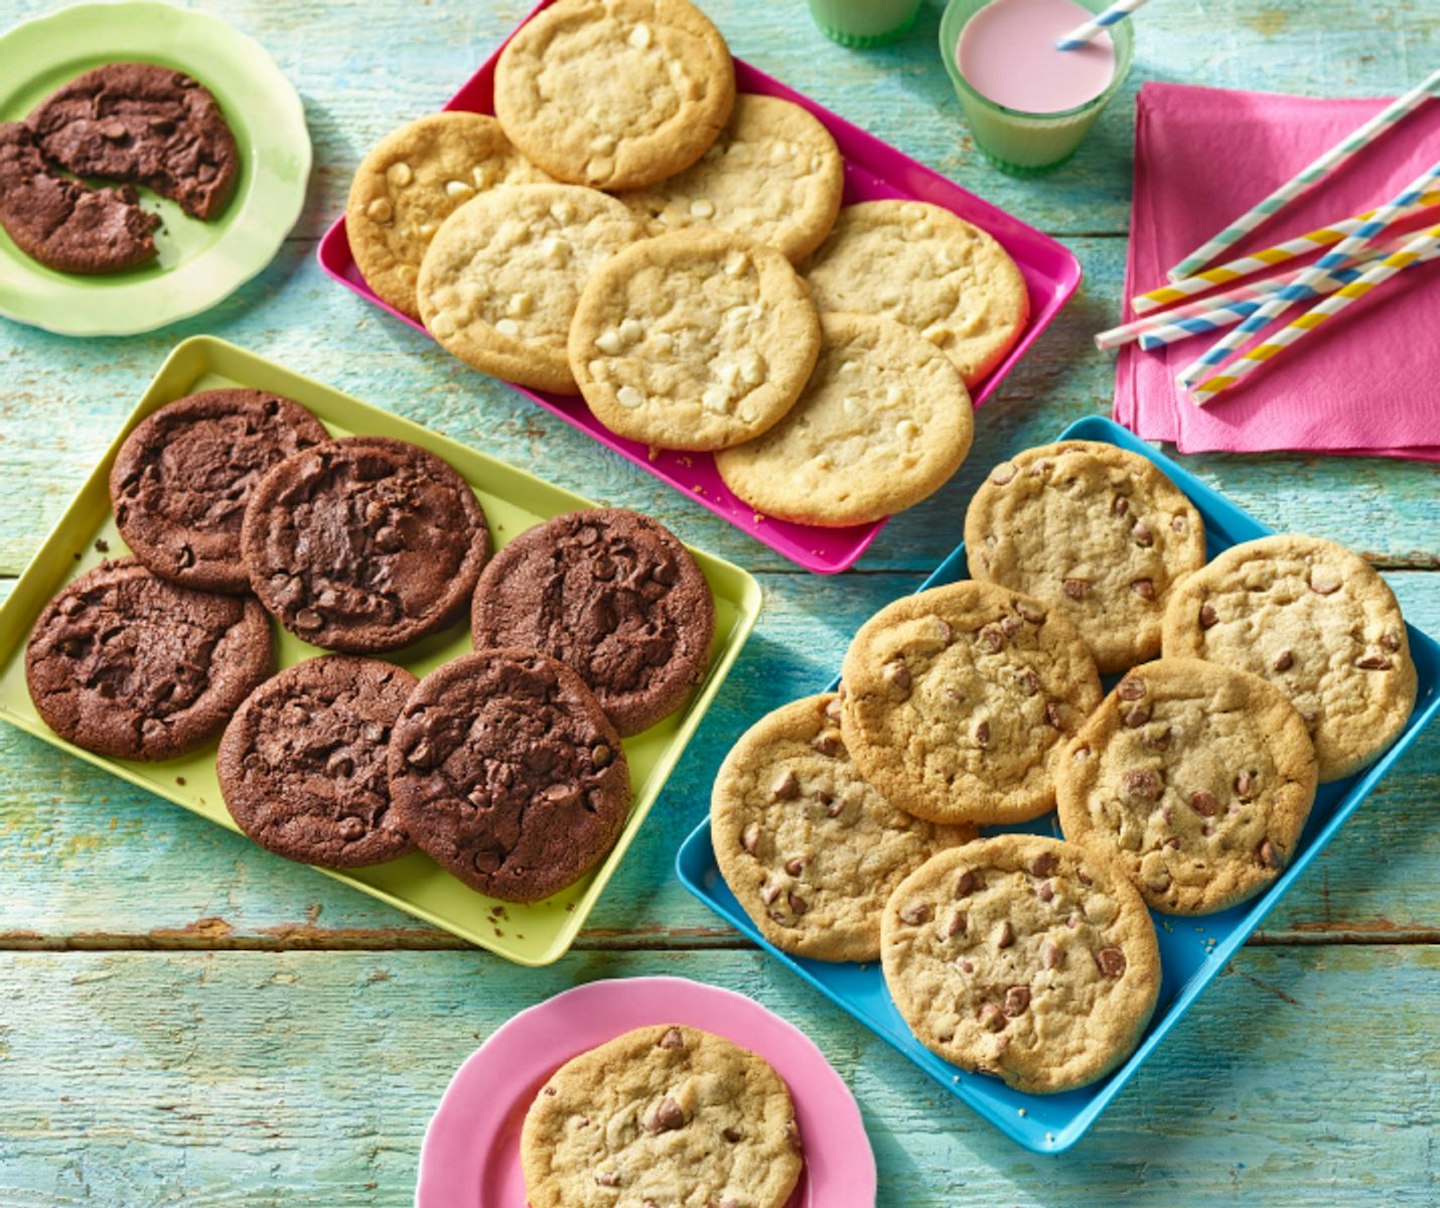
(615,93)
(1023,957)
(1195,779)
(499,282)
(662,1115)
(774,175)
(883,422)
(921,265)
(411,181)
(694,340)
(1316,621)
(1097,532)
(957,702)
(807,846)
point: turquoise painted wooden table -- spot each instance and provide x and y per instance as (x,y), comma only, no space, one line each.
(187,1020)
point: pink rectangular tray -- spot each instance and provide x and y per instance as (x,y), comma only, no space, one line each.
(873,170)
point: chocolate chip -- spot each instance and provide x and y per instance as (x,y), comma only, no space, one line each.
(1045,863)
(1002,473)
(1324,581)
(942,629)
(673,1039)
(915,913)
(897,675)
(769,892)
(1179,524)
(666,573)
(1267,854)
(1244,786)
(798,905)
(1157,739)
(1084,877)
(965,884)
(1011,625)
(1142,534)
(1005,936)
(1144,588)
(550,1090)
(982,735)
(352,829)
(339,765)
(992,639)
(750,839)
(1141,783)
(833,711)
(992,1018)
(308,618)
(829,743)
(114,131)
(1284,661)
(1111,961)
(600,756)
(1076,589)
(588,535)
(1204,804)
(1030,682)
(1373,662)
(421,753)
(1052,714)
(1390,641)
(606,1178)
(732,1135)
(1120,506)
(1130,688)
(488,860)
(667,1118)
(965,966)
(1050,957)
(835,808)
(1029,612)
(957,925)
(1137,715)
(1017,1000)
(1045,891)
(786,786)
(1208,616)
(797,865)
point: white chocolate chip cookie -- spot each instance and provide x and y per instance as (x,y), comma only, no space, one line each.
(957,702)
(1195,779)
(1024,957)
(774,175)
(615,93)
(695,340)
(411,181)
(884,421)
(1316,621)
(1097,532)
(662,1115)
(809,849)
(923,266)
(500,280)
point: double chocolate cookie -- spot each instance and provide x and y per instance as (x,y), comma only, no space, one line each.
(145,125)
(505,770)
(60,222)
(129,665)
(302,765)
(182,478)
(363,544)
(614,596)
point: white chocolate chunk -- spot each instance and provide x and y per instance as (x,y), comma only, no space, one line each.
(608,341)
(399,174)
(640,36)
(702,207)
(628,396)
(458,190)
(507,327)
(380,210)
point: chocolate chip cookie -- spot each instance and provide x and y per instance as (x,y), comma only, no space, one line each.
(182,478)
(1098,533)
(1023,957)
(1317,622)
(614,596)
(130,665)
(146,125)
(504,769)
(809,848)
(662,1115)
(303,763)
(363,544)
(1195,779)
(62,223)
(957,702)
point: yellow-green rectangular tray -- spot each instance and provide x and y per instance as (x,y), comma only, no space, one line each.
(513,501)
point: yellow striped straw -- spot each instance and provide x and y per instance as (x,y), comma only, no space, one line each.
(1223,274)
(1420,247)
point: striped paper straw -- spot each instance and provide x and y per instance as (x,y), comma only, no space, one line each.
(1308,177)
(1303,286)
(1312,241)
(1424,246)
(1082,34)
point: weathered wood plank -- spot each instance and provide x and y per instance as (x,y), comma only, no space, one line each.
(88,860)
(308,1079)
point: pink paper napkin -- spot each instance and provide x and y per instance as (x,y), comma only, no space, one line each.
(1368,383)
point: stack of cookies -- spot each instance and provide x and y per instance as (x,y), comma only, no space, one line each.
(845,824)
(506,766)
(628,228)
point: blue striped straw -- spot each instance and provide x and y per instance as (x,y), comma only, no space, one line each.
(1082,34)
(1304,286)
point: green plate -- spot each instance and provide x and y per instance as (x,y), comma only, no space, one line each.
(200,262)
(513,501)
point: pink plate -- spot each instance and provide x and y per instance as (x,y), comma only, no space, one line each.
(873,170)
(471,1155)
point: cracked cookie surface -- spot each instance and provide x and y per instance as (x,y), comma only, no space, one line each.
(810,849)
(957,702)
(615,93)
(302,764)
(1319,623)
(1024,957)
(774,175)
(506,771)
(613,595)
(1098,533)
(500,280)
(130,665)
(922,266)
(363,544)
(411,181)
(662,1115)
(182,478)
(1195,779)
(694,340)
(883,421)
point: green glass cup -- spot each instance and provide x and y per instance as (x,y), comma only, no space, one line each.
(864,23)
(1028,144)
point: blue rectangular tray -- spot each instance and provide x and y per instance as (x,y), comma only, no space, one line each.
(1192,950)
